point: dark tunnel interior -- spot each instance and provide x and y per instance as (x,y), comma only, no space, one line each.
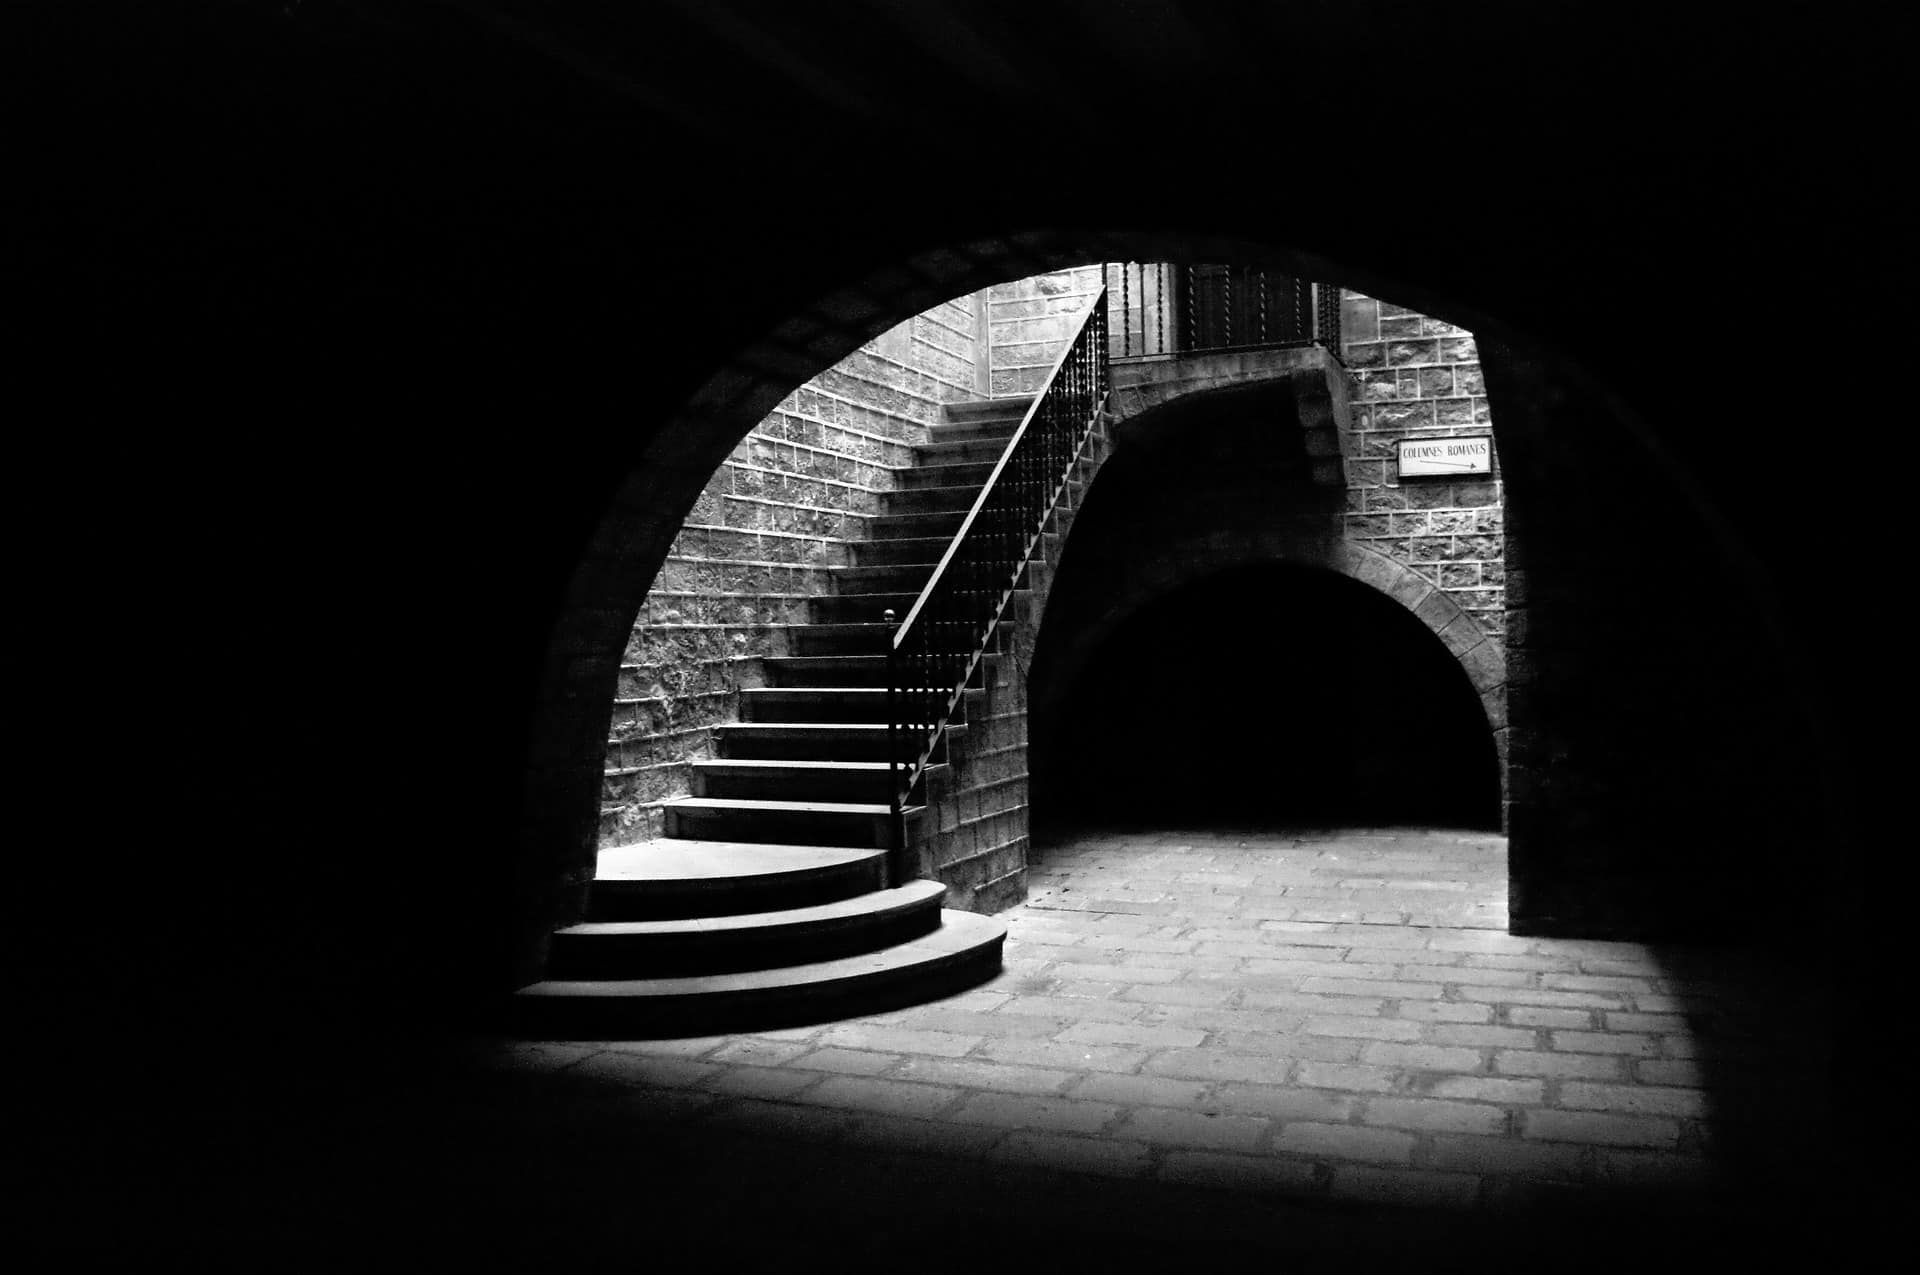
(1268,696)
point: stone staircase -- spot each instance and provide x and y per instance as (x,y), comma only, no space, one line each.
(766,901)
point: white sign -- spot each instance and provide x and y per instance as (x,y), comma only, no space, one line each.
(1421,457)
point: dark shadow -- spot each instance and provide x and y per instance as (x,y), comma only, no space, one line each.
(1268,696)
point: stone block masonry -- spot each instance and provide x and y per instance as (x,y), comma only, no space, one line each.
(758,543)
(1029,321)
(1415,376)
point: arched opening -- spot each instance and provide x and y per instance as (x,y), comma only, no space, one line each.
(1273,695)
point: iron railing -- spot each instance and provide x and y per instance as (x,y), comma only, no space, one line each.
(1161,307)
(931,656)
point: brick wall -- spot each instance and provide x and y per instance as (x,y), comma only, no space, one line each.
(758,542)
(1419,377)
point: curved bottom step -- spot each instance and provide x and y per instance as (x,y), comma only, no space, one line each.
(667,879)
(963,952)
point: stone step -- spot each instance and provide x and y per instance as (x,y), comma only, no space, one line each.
(929,500)
(816,741)
(964,951)
(746,941)
(836,670)
(940,526)
(971,474)
(787,823)
(1008,407)
(959,452)
(999,429)
(866,638)
(670,879)
(894,577)
(861,608)
(792,779)
(923,551)
(845,704)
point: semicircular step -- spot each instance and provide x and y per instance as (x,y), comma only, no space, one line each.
(962,952)
(744,941)
(670,879)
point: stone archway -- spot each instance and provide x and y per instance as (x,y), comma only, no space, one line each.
(1059,659)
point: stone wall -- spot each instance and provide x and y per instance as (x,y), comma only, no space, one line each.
(759,542)
(1029,321)
(1419,377)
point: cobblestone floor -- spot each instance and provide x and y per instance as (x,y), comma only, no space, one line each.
(1268,1044)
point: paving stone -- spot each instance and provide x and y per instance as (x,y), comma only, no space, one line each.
(1475,1034)
(1150,1091)
(977,1073)
(1299,969)
(1344,1142)
(1372,1028)
(1639,1100)
(1532,1062)
(1133,1033)
(979,1023)
(1449,974)
(671,1047)
(1422,1057)
(1177,994)
(1622,1021)
(767,1052)
(1349,1076)
(1053,1053)
(890,1097)
(1481,1089)
(1160,1125)
(1285,1102)
(1682,1072)
(1212,1064)
(1536,996)
(1596,1127)
(1071,1009)
(1022,1111)
(1371,987)
(1443,1012)
(1536,1016)
(760,1082)
(1120,974)
(1596,983)
(856,1062)
(1304,1003)
(1291,1045)
(1436,1115)
(1604,1043)
(903,1040)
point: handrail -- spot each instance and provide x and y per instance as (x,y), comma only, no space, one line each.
(932,654)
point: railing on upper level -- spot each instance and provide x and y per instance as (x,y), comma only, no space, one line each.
(1159,307)
(932,654)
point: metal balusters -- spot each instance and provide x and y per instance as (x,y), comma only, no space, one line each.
(1328,319)
(932,654)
